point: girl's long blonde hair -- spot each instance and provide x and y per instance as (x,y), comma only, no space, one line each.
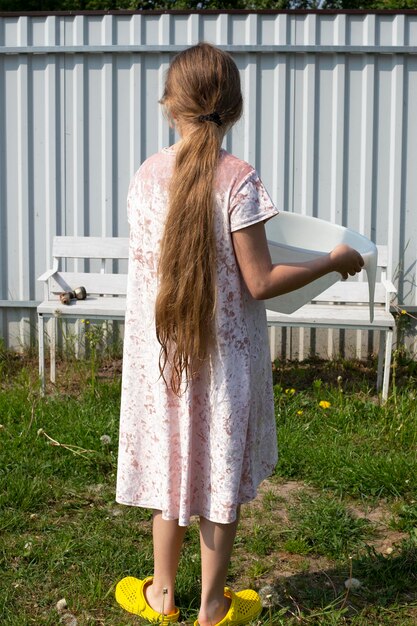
(203,97)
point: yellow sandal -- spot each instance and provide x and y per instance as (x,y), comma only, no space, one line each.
(131,597)
(245,606)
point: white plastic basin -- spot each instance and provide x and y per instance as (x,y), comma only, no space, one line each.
(294,238)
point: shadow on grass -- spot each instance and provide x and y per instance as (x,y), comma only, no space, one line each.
(385,594)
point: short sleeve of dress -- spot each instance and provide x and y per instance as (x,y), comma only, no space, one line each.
(250,203)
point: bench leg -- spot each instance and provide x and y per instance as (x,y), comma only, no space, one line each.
(381,351)
(272,342)
(53,350)
(358,344)
(387,364)
(330,344)
(79,336)
(301,342)
(41,344)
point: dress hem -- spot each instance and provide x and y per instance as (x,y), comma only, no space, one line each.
(197,513)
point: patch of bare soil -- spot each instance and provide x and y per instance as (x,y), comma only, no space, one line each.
(379,515)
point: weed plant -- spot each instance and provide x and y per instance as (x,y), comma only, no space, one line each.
(342,454)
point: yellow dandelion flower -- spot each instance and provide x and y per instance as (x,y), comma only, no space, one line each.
(324,404)
(290,392)
(300,412)
(403,312)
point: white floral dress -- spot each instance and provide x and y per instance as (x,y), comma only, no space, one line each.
(205,452)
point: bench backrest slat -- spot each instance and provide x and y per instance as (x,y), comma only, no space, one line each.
(90,247)
(118,248)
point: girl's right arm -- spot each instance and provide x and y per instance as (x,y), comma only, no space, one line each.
(265,280)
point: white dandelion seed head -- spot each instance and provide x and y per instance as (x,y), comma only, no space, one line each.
(117,511)
(352,583)
(61,605)
(105,440)
(269,596)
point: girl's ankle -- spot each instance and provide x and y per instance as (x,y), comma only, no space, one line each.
(213,612)
(160,600)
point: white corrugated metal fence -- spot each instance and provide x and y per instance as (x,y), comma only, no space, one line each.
(330,123)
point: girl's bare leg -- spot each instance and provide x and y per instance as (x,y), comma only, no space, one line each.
(167,543)
(216,542)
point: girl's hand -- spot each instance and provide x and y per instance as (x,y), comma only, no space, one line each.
(346,260)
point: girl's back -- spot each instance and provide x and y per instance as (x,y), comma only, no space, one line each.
(205,451)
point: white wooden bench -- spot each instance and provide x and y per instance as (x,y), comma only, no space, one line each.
(106,290)
(345,306)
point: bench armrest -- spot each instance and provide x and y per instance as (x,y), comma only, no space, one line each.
(44,278)
(46,275)
(389,286)
(391,291)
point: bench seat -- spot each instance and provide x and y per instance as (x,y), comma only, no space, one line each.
(337,315)
(93,307)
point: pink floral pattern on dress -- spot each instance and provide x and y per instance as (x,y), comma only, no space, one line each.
(205,452)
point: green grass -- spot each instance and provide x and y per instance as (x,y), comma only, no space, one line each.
(323,525)
(63,536)
(406,518)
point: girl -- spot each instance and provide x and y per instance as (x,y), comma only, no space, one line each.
(197,432)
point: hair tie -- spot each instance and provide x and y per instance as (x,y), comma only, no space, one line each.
(211,117)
